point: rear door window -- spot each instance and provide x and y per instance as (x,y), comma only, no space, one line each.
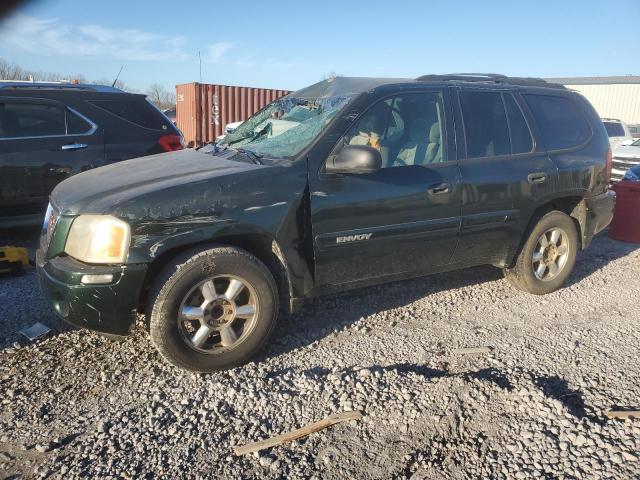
(561,123)
(19,120)
(485,124)
(521,141)
(139,112)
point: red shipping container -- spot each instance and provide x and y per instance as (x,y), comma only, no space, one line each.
(203,110)
(625,225)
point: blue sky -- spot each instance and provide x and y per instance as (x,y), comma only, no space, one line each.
(286,44)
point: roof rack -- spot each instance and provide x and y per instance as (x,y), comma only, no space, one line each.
(28,85)
(490,78)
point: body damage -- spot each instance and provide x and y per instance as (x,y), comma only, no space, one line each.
(191,198)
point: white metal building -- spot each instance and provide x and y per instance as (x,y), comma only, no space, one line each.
(612,97)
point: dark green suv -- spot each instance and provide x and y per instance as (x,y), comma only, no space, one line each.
(349,182)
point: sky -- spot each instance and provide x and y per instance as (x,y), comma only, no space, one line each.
(291,44)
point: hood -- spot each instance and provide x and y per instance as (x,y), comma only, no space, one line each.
(627,151)
(102,190)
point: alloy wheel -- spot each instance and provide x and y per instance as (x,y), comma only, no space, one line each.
(550,254)
(218,314)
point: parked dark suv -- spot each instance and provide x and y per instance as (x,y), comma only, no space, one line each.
(349,182)
(50,131)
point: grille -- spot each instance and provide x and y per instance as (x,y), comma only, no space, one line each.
(620,167)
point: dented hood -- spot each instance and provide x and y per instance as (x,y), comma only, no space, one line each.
(109,189)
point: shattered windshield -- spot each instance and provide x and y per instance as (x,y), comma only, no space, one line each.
(285,127)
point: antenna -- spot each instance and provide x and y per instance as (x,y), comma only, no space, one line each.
(200,59)
(117,76)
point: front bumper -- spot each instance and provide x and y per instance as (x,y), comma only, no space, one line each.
(107,308)
(599,214)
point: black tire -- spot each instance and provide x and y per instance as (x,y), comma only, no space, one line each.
(522,275)
(184,274)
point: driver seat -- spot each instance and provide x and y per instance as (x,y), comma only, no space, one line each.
(423,145)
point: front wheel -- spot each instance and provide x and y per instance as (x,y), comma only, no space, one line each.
(547,257)
(213,309)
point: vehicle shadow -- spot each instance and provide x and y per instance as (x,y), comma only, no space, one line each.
(323,316)
(602,251)
(490,375)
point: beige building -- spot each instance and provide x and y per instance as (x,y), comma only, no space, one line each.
(612,97)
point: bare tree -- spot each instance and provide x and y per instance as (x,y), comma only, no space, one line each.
(12,71)
(161,97)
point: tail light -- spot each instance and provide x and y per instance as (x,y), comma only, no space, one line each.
(172,142)
(608,165)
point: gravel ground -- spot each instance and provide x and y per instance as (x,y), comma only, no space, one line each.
(78,405)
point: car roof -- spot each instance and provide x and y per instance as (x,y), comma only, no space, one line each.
(339,86)
(24,85)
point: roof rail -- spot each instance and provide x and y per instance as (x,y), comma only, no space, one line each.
(490,78)
(27,85)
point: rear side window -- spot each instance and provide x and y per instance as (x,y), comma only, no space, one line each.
(561,123)
(485,124)
(521,141)
(614,129)
(139,112)
(31,120)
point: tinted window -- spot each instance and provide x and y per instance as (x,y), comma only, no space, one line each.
(521,141)
(561,123)
(76,125)
(406,129)
(139,112)
(614,129)
(30,120)
(485,124)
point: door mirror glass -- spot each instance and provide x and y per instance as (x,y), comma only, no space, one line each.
(355,159)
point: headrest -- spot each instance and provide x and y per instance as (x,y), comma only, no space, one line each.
(434,133)
(418,129)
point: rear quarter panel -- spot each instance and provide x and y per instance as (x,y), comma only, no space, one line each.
(581,171)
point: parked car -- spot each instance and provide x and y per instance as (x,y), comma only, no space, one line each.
(633,174)
(170,113)
(50,131)
(346,183)
(625,157)
(618,132)
(229,128)
(635,131)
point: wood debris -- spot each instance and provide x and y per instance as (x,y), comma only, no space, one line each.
(623,413)
(295,434)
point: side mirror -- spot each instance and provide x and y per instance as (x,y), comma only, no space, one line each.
(355,159)
(626,142)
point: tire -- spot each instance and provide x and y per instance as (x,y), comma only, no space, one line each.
(235,333)
(537,275)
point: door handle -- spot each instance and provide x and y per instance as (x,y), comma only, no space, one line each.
(439,189)
(74,146)
(538,177)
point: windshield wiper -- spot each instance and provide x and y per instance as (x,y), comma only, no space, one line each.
(252,155)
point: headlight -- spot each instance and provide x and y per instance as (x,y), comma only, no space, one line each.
(98,239)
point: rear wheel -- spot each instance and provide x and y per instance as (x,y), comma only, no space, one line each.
(547,257)
(213,309)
